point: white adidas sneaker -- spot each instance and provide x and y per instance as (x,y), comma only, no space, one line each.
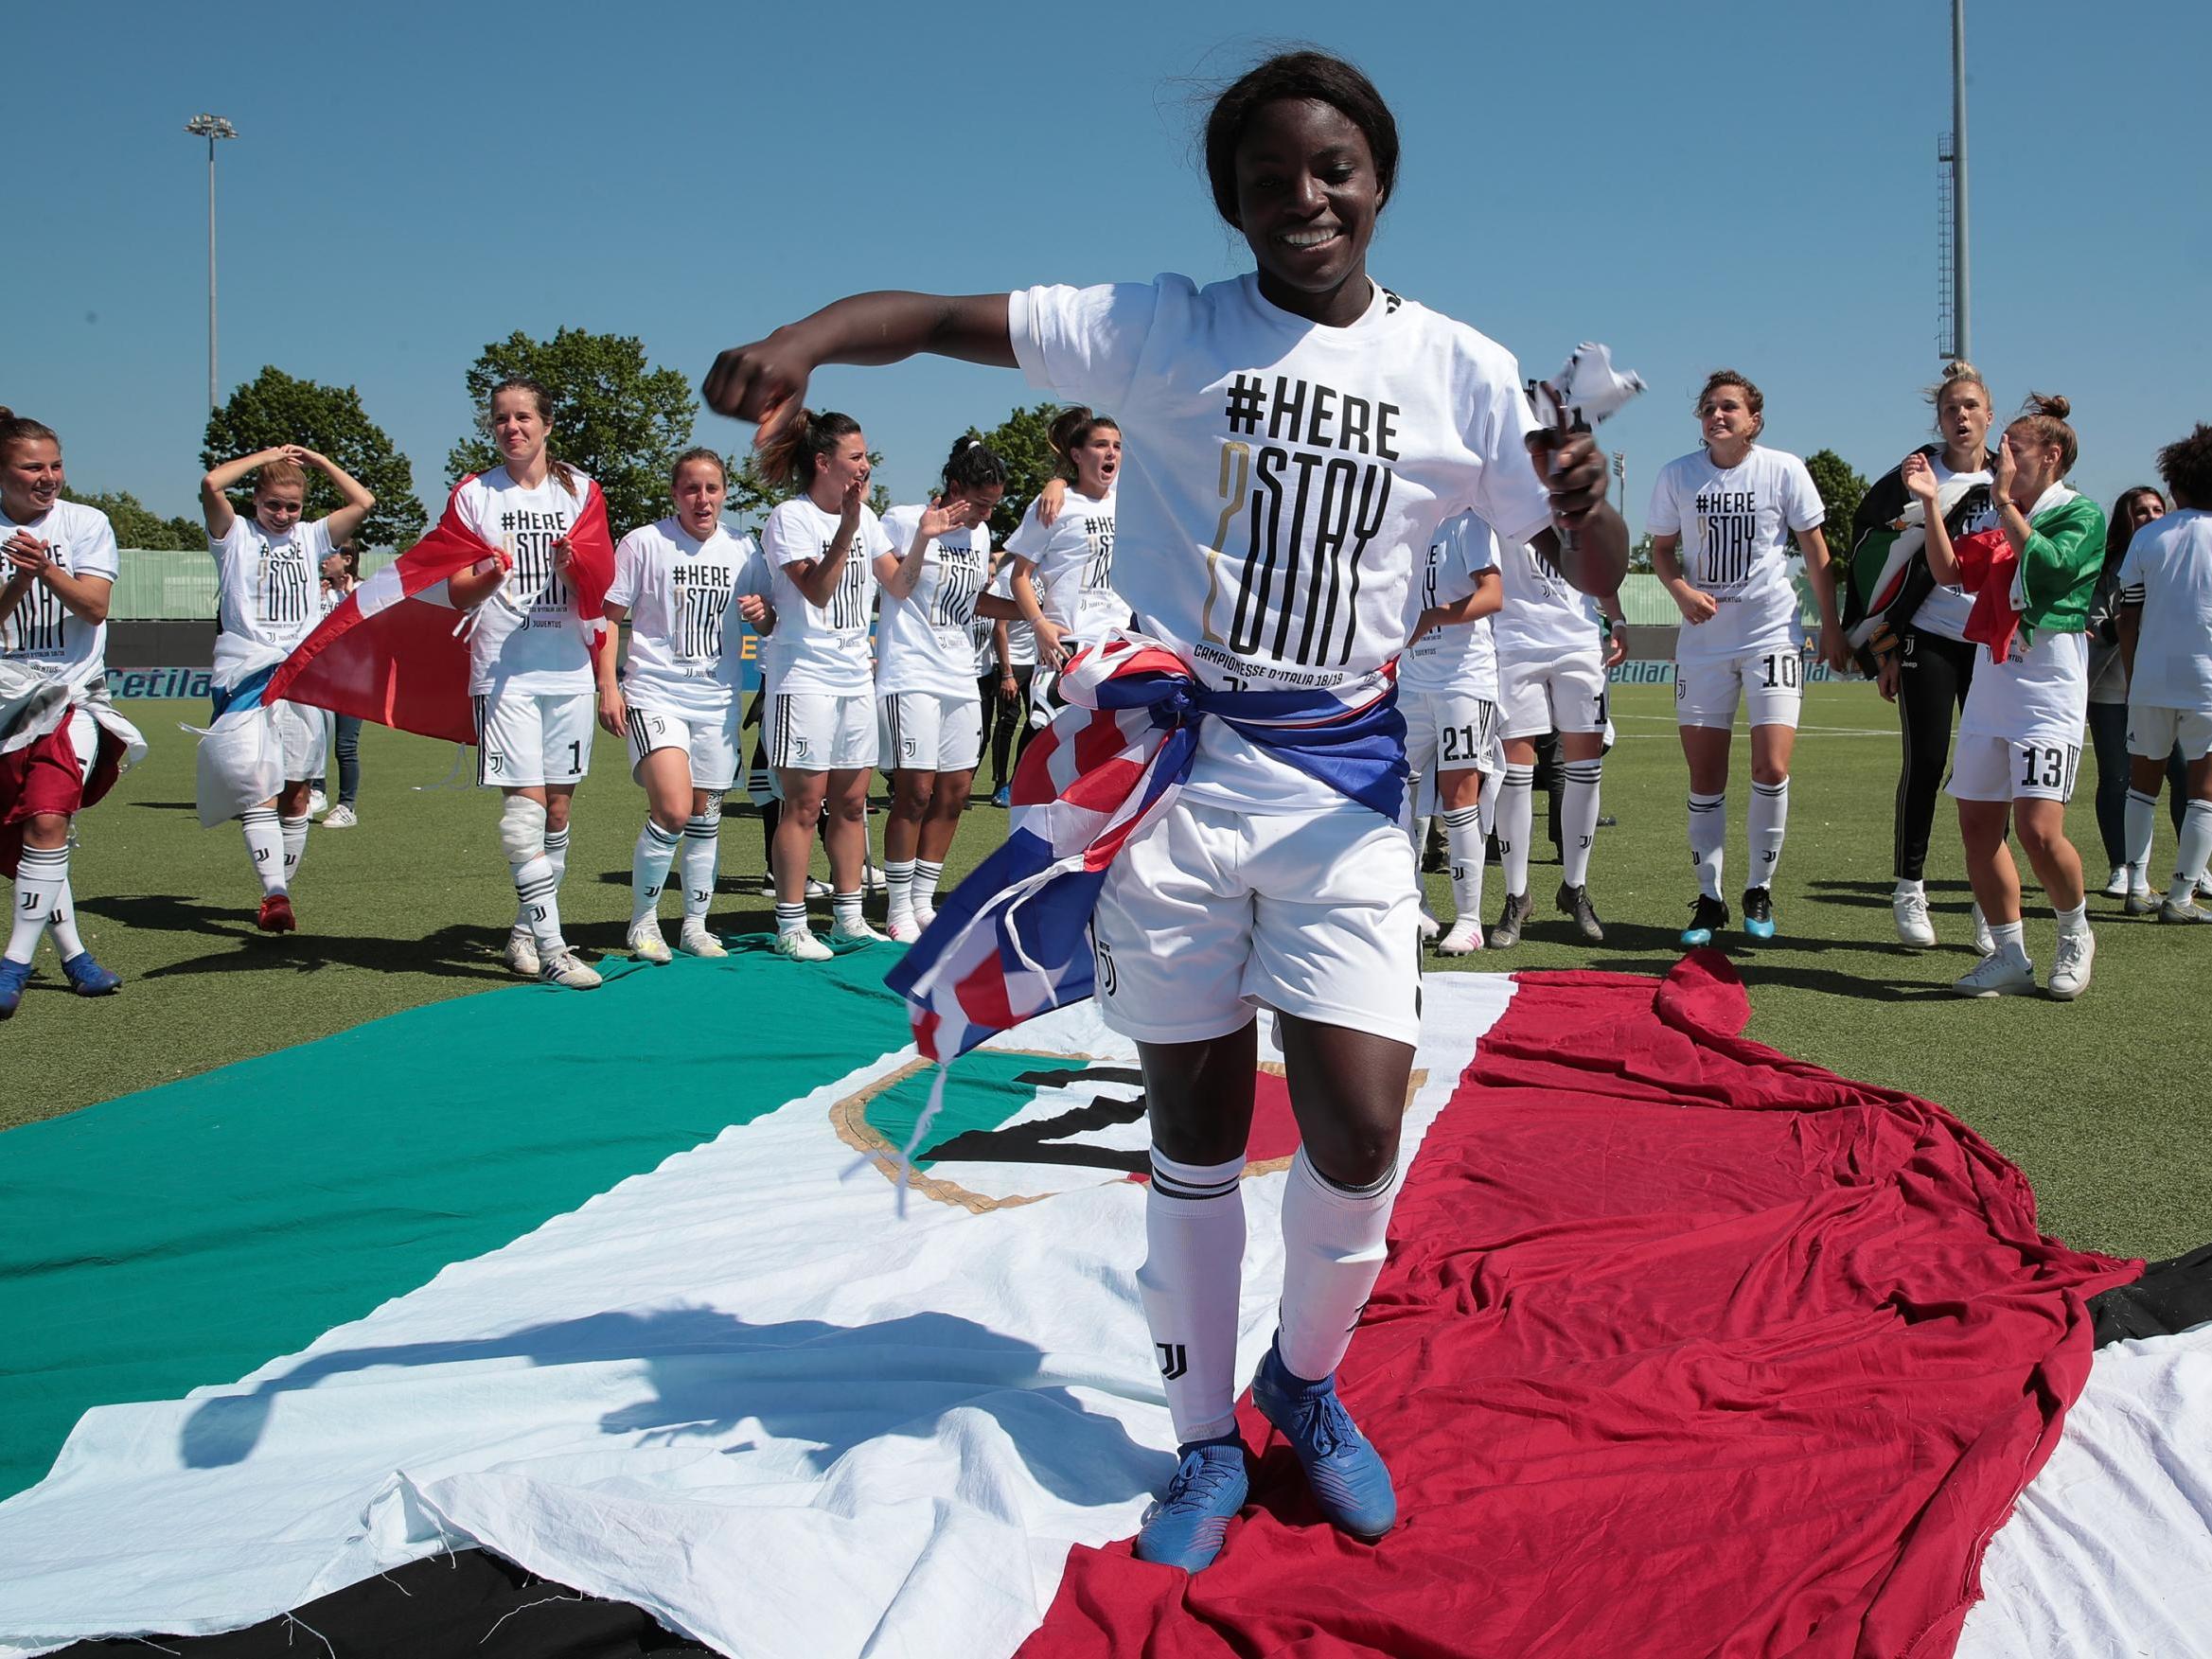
(1914,928)
(1464,938)
(902,929)
(521,952)
(803,944)
(695,941)
(859,933)
(564,970)
(1998,975)
(2070,966)
(645,941)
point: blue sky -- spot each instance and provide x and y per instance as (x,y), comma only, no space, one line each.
(1696,184)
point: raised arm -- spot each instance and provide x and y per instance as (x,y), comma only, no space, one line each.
(340,525)
(765,382)
(1588,542)
(215,508)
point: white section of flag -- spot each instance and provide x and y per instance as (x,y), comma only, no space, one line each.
(736,1391)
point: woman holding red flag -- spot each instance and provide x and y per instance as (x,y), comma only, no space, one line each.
(529,663)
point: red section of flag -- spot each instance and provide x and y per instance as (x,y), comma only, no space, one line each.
(1683,1349)
(403,665)
(1274,1128)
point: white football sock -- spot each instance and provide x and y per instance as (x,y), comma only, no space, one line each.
(1192,1273)
(2010,941)
(845,911)
(2196,848)
(1464,837)
(295,845)
(63,926)
(42,876)
(702,854)
(1708,839)
(557,853)
(1769,821)
(1333,1241)
(2073,921)
(1493,781)
(264,836)
(791,918)
(1578,819)
(536,901)
(2142,817)
(1516,815)
(649,858)
(926,877)
(898,885)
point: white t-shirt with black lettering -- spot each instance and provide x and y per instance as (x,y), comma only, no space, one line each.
(819,650)
(687,642)
(527,637)
(268,592)
(1544,616)
(1735,523)
(1282,482)
(2168,571)
(42,630)
(1463,657)
(924,642)
(1074,561)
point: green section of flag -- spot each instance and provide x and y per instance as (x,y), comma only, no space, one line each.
(183,1235)
(980,1093)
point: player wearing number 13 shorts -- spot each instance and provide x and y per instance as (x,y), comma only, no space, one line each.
(1296,436)
(1721,521)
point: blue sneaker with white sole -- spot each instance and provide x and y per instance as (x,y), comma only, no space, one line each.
(1184,1528)
(13,977)
(1346,1472)
(88,978)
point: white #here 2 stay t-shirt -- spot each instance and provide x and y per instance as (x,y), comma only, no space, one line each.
(528,638)
(1282,482)
(819,650)
(1463,657)
(687,640)
(1735,524)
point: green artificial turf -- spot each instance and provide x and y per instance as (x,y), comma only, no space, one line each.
(2099,1101)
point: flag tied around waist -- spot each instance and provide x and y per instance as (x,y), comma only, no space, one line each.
(1012,941)
(390,653)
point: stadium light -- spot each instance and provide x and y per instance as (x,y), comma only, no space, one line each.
(210,128)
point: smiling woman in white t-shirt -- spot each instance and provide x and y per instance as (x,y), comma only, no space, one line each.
(925,674)
(267,566)
(529,667)
(820,548)
(1731,509)
(1296,436)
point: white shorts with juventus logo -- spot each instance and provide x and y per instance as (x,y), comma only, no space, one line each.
(527,739)
(820,732)
(710,743)
(1536,694)
(1770,683)
(927,731)
(2038,767)
(304,739)
(1210,915)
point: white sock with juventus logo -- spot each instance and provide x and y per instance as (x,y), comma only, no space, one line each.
(41,874)
(2190,856)
(649,858)
(702,854)
(296,846)
(538,908)
(1334,1242)
(1769,821)
(264,836)
(1192,1277)
(1516,817)
(1464,837)
(62,923)
(1578,819)
(1708,839)
(555,856)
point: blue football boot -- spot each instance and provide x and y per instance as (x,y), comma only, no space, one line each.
(1759,912)
(88,978)
(1709,916)
(1343,1468)
(13,976)
(1184,1528)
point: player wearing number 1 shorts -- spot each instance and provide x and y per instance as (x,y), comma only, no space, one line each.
(1721,521)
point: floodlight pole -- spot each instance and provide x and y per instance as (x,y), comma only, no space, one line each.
(211,128)
(1960,325)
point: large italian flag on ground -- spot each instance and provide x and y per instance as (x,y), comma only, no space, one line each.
(599,1307)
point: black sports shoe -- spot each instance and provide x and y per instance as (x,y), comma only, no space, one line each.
(1575,902)
(1510,921)
(1759,912)
(1709,916)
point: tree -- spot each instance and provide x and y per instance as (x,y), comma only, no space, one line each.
(753,495)
(136,525)
(274,408)
(1841,490)
(1639,556)
(613,417)
(1020,441)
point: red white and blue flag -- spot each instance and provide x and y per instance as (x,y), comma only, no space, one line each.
(390,652)
(1013,940)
